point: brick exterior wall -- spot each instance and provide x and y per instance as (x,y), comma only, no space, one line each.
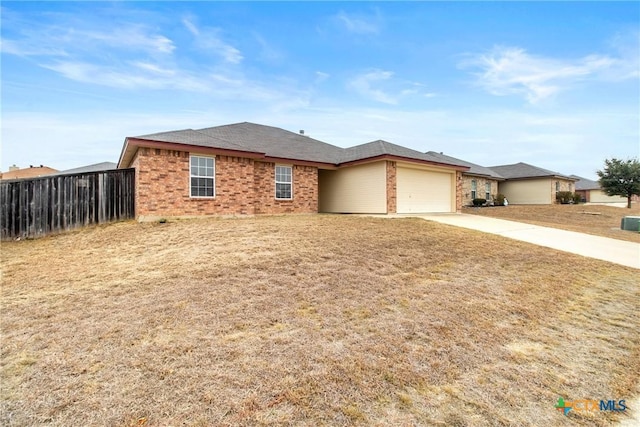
(242,187)
(564,186)
(584,195)
(305,190)
(459,195)
(467,200)
(391,187)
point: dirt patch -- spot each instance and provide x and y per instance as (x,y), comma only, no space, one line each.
(309,320)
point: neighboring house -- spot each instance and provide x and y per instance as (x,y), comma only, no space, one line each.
(247,169)
(97,167)
(31,172)
(477,183)
(590,191)
(526,184)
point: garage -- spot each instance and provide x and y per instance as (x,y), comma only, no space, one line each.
(599,196)
(421,191)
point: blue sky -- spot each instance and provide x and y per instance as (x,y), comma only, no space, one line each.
(553,84)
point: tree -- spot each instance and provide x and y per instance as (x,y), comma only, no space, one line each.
(620,178)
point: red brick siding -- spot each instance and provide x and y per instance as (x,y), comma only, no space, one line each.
(564,186)
(391,188)
(305,190)
(459,193)
(242,187)
(465,189)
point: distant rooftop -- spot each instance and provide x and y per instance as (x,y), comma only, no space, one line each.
(380,147)
(31,172)
(474,169)
(97,167)
(585,184)
(524,170)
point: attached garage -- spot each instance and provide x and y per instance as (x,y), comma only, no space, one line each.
(527,192)
(355,189)
(424,190)
(599,196)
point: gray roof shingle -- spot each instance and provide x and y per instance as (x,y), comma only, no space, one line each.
(474,169)
(523,170)
(97,167)
(279,143)
(191,137)
(254,138)
(380,147)
(585,184)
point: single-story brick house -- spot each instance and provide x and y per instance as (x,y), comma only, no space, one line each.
(590,191)
(526,184)
(478,182)
(247,168)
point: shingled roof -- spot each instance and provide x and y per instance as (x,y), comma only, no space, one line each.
(525,171)
(253,138)
(96,167)
(272,142)
(474,169)
(585,184)
(381,148)
(275,142)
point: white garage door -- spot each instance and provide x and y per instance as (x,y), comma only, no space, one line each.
(599,196)
(421,191)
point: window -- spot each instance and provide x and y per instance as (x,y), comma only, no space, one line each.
(557,186)
(474,188)
(202,176)
(487,191)
(284,182)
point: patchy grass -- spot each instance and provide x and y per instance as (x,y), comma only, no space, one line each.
(591,219)
(309,320)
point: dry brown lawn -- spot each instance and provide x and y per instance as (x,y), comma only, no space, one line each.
(591,219)
(312,321)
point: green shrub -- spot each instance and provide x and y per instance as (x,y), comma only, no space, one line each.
(564,197)
(577,198)
(479,202)
(498,200)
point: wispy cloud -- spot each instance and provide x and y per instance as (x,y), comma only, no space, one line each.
(136,56)
(58,41)
(514,71)
(208,40)
(138,75)
(321,77)
(268,52)
(382,86)
(364,85)
(360,23)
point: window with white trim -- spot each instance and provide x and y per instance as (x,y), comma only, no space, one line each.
(474,188)
(557,186)
(487,191)
(284,182)
(202,176)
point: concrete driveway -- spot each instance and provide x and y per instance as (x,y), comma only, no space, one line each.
(612,250)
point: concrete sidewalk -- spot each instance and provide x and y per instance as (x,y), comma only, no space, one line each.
(612,250)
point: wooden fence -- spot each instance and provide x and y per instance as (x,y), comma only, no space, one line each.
(39,206)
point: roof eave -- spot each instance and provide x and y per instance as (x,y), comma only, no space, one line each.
(484,175)
(403,159)
(132,145)
(284,160)
(540,177)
